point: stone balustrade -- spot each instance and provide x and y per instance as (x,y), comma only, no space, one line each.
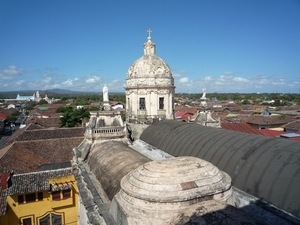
(107,132)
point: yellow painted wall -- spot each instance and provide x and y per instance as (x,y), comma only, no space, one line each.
(68,208)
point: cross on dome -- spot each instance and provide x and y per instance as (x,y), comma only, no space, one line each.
(149,32)
(149,37)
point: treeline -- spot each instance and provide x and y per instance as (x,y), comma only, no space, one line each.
(242,96)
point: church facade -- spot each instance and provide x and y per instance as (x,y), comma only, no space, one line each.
(149,88)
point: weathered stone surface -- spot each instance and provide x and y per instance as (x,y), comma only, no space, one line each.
(213,212)
(110,161)
(157,192)
(166,180)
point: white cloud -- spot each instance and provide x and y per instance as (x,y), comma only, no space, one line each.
(241,79)
(10,73)
(263,81)
(68,82)
(93,79)
(20,82)
(176,75)
(184,80)
(12,70)
(228,82)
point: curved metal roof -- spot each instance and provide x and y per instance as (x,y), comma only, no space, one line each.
(268,168)
(111,161)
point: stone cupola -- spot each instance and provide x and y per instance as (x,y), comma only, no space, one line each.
(149,87)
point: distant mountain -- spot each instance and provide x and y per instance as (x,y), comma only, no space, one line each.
(50,92)
(64,91)
(56,91)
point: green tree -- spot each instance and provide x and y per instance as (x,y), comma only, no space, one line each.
(246,102)
(61,109)
(67,120)
(73,117)
(11,118)
(42,102)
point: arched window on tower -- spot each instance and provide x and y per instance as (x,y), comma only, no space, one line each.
(142,104)
(161,103)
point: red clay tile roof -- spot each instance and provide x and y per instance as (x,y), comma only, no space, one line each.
(241,127)
(35,181)
(275,133)
(26,156)
(33,126)
(44,122)
(294,125)
(271,133)
(269,120)
(10,111)
(186,109)
(3,199)
(43,134)
(3,116)
(180,114)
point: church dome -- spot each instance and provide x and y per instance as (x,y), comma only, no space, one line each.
(159,191)
(176,180)
(149,66)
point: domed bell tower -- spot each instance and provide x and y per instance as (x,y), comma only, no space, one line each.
(149,88)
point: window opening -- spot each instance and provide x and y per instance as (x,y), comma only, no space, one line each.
(45,220)
(20,199)
(66,193)
(56,195)
(27,221)
(161,103)
(30,197)
(40,196)
(56,219)
(142,103)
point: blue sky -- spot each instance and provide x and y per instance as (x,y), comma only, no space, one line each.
(240,46)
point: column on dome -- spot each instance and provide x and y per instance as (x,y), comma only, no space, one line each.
(135,103)
(167,104)
(150,97)
(170,107)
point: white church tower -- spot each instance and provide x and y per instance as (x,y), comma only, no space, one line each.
(149,88)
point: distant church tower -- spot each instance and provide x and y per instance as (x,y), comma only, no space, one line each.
(149,88)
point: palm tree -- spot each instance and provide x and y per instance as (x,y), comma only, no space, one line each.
(72,117)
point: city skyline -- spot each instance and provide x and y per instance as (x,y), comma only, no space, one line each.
(228,46)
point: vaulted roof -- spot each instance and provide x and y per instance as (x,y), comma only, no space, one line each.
(265,167)
(111,161)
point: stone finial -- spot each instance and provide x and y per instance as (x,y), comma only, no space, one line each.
(149,47)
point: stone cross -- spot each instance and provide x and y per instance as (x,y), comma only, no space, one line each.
(149,31)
